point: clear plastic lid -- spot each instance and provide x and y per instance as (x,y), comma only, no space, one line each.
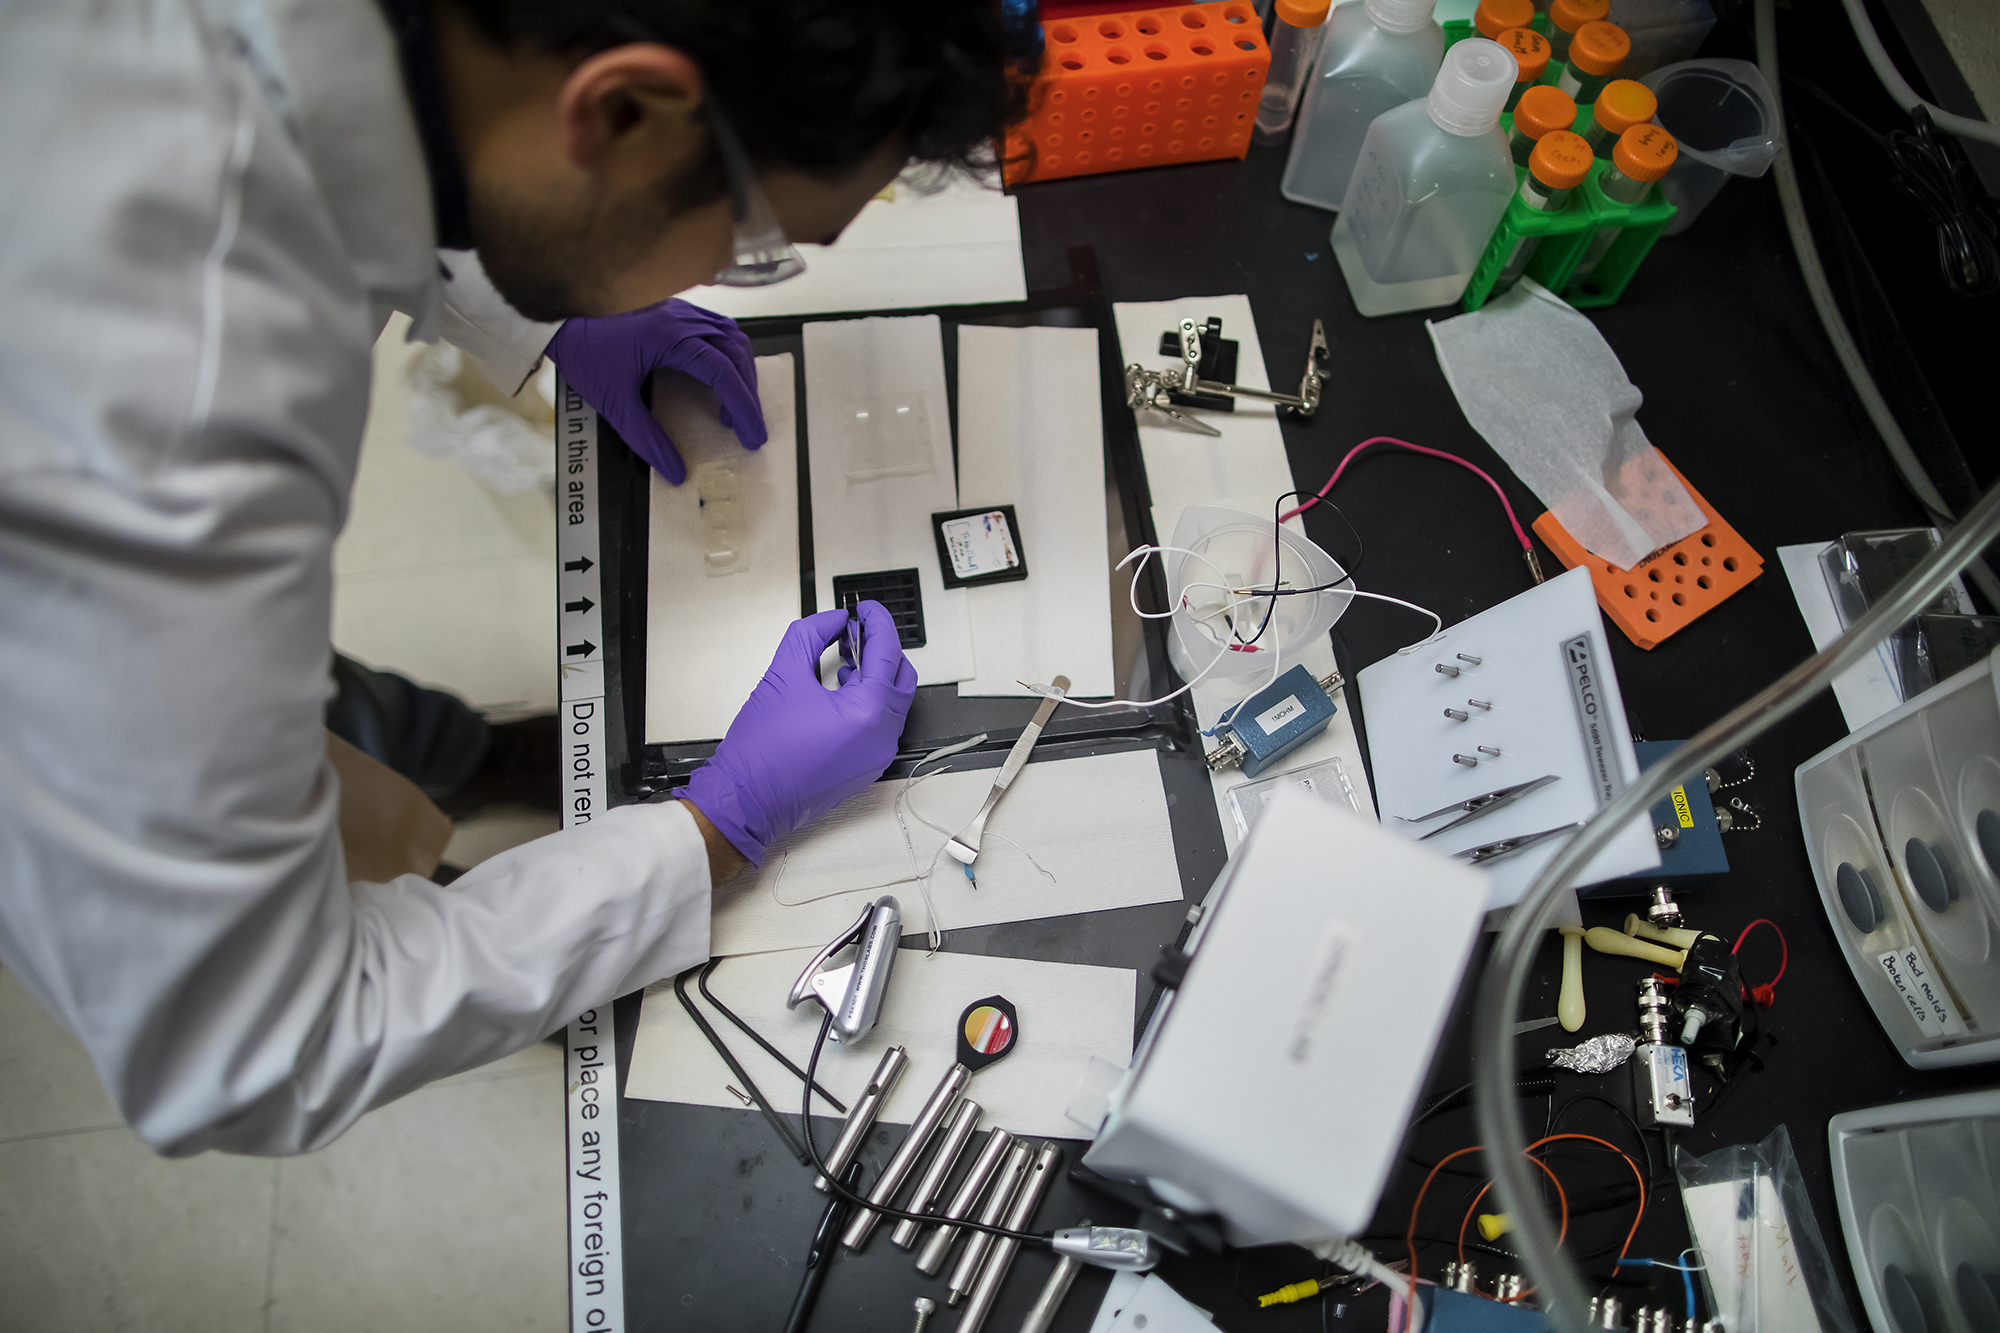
(1400,15)
(1472,86)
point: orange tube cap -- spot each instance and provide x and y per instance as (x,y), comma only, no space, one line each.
(1544,108)
(1644,152)
(1496,16)
(1623,104)
(1599,48)
(1569,15)
(1561,160)
(1531,50)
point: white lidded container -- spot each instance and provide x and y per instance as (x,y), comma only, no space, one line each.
(1376,54)
(1432,182)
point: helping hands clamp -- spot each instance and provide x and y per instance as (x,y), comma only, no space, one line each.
(1146,388)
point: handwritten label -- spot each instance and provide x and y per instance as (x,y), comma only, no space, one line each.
(1287,709)
(1909,970)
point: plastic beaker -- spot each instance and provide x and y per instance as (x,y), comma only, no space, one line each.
(1725,119)
(1222,632)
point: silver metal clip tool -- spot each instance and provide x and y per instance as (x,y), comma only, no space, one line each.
(852,993)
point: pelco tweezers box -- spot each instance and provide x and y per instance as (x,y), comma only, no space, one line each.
(1273,1087)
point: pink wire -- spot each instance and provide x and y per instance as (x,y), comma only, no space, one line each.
(1414,448)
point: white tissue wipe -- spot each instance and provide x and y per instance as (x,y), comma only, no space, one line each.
(1538,381)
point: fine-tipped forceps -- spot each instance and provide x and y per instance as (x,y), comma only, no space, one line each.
(1521,842)
(1480,805)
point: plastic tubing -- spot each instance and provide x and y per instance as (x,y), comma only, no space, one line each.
(1501,987)
(1900,91)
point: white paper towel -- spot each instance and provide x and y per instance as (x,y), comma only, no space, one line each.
(709,638)
(876,480)
(1540,383)
(1031,434)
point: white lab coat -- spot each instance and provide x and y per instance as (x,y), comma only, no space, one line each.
(208,209)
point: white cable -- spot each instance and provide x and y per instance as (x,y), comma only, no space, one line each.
(1900,92)
(1145,553)
(1356,1258)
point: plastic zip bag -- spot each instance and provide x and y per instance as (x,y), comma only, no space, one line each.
(1763,1262)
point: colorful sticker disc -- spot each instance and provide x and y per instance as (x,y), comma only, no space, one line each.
(986,1031)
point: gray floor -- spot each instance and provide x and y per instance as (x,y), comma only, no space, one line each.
(441,1212)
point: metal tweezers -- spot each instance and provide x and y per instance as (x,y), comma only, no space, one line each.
(1480,805)
(1521,842)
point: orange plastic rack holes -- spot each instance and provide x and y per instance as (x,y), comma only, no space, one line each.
(1661,594)
(1147,88)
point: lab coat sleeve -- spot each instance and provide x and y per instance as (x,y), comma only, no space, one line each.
(477,320)
(184,373)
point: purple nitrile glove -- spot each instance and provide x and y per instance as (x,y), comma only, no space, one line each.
(798,749)
(609,360)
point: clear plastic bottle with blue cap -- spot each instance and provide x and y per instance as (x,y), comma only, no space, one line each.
(1432,182)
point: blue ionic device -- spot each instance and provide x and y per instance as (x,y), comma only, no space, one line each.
(1276,720)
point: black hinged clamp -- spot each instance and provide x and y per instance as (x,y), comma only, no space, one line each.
(1169,391)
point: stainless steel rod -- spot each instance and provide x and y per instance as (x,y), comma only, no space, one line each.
(921,1129)
(862,1118)
(931,1258)
(956,1135)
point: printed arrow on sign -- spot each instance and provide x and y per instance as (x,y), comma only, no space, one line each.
(580,565)
(584,649)
(579,606)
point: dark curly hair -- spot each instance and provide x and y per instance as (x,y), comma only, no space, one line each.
(813,85)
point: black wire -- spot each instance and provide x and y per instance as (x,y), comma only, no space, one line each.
(1932,172)
(834,1185)
(756,1036)
(1645,1145)
(756,1094)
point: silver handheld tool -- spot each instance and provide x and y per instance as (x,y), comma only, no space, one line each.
(891,1179)
(1042,1314)
(852,993)
(1020,1213)
(931,1258)
(862,1118)
(950,1148)
(1478,806)
(1019,1158)
(1493,851)
(1121,1249)
(965,846)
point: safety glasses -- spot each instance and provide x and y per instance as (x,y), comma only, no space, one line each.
(763,254)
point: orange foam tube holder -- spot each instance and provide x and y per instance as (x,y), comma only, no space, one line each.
(1148,88)
(1661,594)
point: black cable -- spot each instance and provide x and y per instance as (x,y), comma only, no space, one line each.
(1933,173)
(749,1084)
(833,1184)
(756,1036)
(1645,1145)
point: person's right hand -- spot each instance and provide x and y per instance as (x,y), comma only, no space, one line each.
(798,749)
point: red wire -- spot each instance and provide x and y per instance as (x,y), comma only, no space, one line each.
(1519,532)
(1766,994)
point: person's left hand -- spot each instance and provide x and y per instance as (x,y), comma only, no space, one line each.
(608,361)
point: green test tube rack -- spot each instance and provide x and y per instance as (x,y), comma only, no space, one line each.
(1640,225)
(1566,235)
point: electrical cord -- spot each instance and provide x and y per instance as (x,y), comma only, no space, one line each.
(1939,180)
(833,1183)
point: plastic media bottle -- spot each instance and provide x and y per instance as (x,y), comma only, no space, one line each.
(1295,42)
(1541,110)
(1566,16)
(1494,17)
(1377,54)
(1557,166)
(1623,104)
(1642,155)
(1531,53)
(1432,181)
(1595,54)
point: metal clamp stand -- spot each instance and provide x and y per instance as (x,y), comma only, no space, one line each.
(1146,388)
